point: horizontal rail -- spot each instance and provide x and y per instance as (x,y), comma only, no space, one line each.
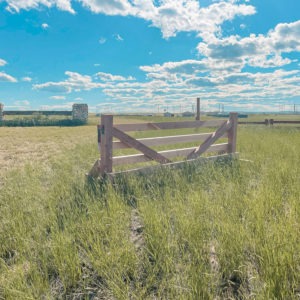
(138,158)
(174,165)
(32,112)
(269,122)
(168,125)
(286,122)
(254,123)
(167,140)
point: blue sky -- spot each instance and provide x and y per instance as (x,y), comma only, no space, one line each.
(150,55)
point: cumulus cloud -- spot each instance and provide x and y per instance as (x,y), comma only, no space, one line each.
(45,26)
(102,40)
(258,50)
(78,82)
(2,62)
(110,77)
(189,16)
(108,7)
(75,82)
(170,16)
(53,87)
(7,78)
(185,66)
(4,77)
(58,97)
(17,5)
(26,79)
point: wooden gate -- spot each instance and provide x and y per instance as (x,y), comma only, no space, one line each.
(107,131)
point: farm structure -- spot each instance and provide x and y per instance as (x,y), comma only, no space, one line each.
(107,131)
(78,112)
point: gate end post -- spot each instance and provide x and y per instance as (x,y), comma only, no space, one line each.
(232,132)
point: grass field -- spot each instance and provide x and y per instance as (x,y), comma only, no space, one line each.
(216,231)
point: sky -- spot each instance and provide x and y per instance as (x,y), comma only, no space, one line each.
(150,55)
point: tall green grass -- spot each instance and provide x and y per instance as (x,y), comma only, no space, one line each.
(62,237)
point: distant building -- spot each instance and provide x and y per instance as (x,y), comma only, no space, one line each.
(168,114)
(188,114)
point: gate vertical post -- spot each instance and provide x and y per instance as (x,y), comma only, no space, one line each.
(232,132)
(106,147)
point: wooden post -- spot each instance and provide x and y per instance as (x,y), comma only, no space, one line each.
(106,147)
(1,111)
(232,132)
(198,110)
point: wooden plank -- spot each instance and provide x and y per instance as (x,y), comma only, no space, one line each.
(210,140)
(106,144)
(168,125)
(166,140)
(252,123)
(130,141)
(286,122)
(139,158)
(232,132)
(175,165)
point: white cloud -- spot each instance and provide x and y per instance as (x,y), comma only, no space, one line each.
(109,77)
(2,62)
(45,26)
(118,38)
(64,106)
(180,15)
(7,78)
(170,16)
(108,7)
(102,40)
(58,97)
(22,103)
(53,87)
(26,79)
(75,82)
(17,5)
(257,50)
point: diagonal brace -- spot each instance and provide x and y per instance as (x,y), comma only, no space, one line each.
(131,142)
(210,140)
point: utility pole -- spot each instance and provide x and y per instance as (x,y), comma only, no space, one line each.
(198,109)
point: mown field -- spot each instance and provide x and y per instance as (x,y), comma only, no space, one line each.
(214,231)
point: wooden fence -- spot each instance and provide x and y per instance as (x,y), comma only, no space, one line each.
(271,122)
(107,131)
